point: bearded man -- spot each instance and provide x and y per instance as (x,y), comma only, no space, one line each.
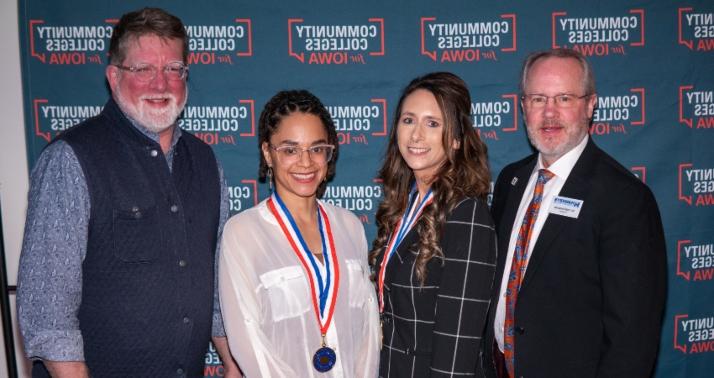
(125,210)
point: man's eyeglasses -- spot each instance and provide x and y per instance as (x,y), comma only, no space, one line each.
(563,101)
(321,153)
(147,72)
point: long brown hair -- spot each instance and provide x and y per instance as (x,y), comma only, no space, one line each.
(464,173)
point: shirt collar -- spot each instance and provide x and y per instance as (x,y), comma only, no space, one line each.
(565,164)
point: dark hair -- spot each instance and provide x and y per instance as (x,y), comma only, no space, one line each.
(588,76)
(153,21)
(285,103)
(464,173)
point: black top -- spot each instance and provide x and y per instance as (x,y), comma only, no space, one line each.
(435,329)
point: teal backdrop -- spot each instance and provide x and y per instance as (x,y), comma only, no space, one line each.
(653,61)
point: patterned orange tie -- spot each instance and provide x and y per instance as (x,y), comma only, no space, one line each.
(518,268)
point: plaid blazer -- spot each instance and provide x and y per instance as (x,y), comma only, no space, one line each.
(435,330)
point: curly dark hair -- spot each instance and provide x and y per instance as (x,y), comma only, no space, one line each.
(285,103)
(464,173)
(146,21)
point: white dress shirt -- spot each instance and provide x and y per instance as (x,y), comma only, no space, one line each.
(561,169)
(267,307)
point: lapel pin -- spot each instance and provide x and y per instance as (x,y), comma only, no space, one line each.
(514,181)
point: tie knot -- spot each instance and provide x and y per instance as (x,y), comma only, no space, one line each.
(544,175)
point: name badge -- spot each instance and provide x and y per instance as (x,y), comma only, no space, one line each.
(568,207)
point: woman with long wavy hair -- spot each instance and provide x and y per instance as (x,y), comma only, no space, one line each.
(435,251)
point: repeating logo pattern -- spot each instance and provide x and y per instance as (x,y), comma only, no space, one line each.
(599,36)
(381,50)
(496,116)
(696,185)
(696,107)
(468,40)
(693,335)
(616,113)
(220,124)
(50,118)
(242,194)
(696,29)
(70,44)
(335,43)
(695,260)
(361,198)
(358,123)
(220,44)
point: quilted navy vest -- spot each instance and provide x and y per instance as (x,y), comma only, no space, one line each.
(147,290)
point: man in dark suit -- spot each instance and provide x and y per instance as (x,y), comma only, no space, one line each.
(581,274)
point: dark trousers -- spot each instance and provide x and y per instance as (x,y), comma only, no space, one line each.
(499,362)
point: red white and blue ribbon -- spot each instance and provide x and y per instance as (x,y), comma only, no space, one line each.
(408,220)
(323,288)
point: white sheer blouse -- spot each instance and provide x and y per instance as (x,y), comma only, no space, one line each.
(267,307)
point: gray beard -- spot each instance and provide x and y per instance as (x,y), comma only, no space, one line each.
(153,122)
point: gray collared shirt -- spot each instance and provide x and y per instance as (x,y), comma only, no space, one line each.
(54,246)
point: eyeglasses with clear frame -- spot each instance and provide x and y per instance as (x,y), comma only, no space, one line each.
(563,101)
(146,72)
(320,154)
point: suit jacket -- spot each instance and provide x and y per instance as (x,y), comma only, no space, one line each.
(592,298)
(435,330)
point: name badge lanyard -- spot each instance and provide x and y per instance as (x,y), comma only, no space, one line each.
(408,220)
(323,289)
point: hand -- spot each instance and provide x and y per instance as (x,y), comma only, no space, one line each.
(230,367)
(231,370)
(68,369)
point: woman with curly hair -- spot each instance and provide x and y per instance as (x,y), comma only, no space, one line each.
(293,274)
(435,251)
